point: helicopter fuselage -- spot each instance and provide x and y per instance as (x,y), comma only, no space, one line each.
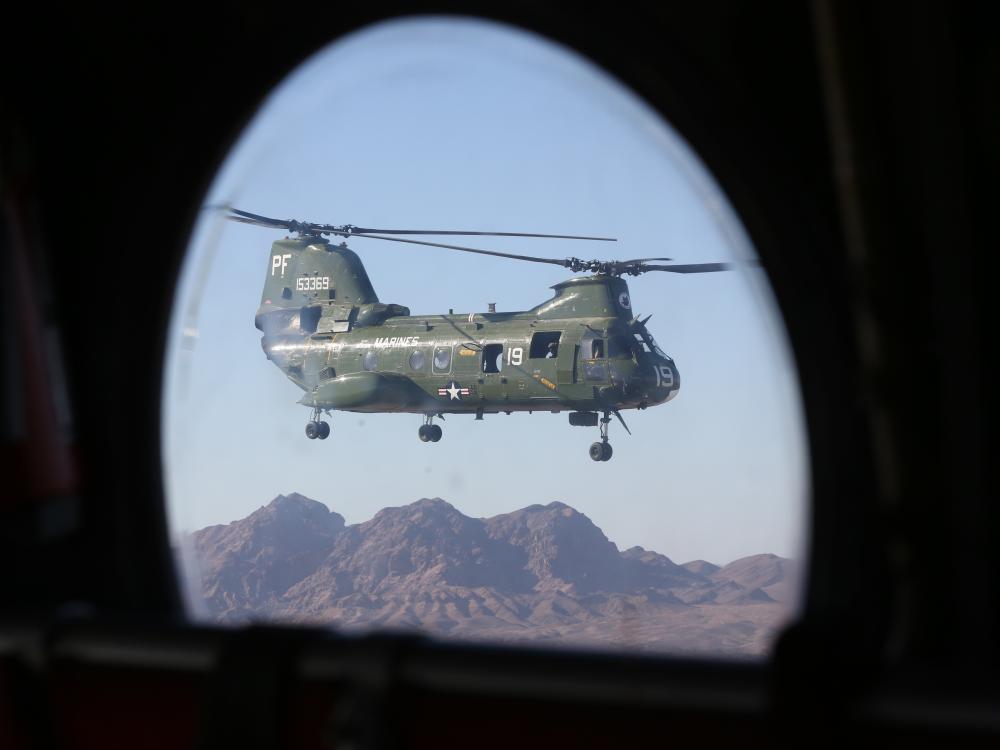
(583,350)
(480,362)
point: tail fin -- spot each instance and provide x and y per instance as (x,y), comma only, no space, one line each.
(309,271)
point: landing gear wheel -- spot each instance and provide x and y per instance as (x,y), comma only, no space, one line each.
(435,432)
(312,430)
(323,430)
(602,451)
(424,432)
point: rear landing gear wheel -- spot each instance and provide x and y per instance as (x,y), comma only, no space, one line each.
(597,451)
(429,432)
(607,452)
(317,428)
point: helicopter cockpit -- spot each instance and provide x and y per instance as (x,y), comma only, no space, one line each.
(648,344)
(620,347)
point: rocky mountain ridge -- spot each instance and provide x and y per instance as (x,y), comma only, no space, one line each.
(539,573)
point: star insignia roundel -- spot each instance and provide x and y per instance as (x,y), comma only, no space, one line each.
(453,391)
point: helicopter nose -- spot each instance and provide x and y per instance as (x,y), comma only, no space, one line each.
(664,382)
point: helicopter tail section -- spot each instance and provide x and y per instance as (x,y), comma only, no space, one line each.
(310,286)
(309,271)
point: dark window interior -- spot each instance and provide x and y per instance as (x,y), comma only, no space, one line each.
(309,318)
(492,357)
(544,344)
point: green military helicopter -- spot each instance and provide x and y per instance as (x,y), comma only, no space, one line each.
(582,351)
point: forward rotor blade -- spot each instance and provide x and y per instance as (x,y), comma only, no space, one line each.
(692,268)
(642,260)
(552,261)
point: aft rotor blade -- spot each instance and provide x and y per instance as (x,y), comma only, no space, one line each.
(248,218)
(255,222)
(552,261)
(349,230)
(355,231)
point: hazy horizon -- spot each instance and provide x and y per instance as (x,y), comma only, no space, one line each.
(348,522)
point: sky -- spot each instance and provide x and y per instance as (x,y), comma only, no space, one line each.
(448,123)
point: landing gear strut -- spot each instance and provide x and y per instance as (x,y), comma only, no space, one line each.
(428,431)
(602,451)
(316,427)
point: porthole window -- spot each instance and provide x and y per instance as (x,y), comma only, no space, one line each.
(687,537)
(442,359)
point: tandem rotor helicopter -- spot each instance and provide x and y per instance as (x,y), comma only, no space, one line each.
(582,351)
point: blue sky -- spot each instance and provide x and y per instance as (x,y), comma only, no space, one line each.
(455,124)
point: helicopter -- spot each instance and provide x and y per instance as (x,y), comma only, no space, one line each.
(583,350)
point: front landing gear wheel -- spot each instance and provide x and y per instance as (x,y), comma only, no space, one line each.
(424,432)
(602,451)
(312,430)
(323,430)
(435,432)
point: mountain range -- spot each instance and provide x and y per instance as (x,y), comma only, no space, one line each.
(545,573)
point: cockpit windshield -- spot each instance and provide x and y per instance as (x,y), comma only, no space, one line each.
(648,343)
(657,349)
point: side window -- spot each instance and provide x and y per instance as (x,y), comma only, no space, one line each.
(544,345)
(442,359)
(417,360)
(492,358)
(370,362)
(592,348)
